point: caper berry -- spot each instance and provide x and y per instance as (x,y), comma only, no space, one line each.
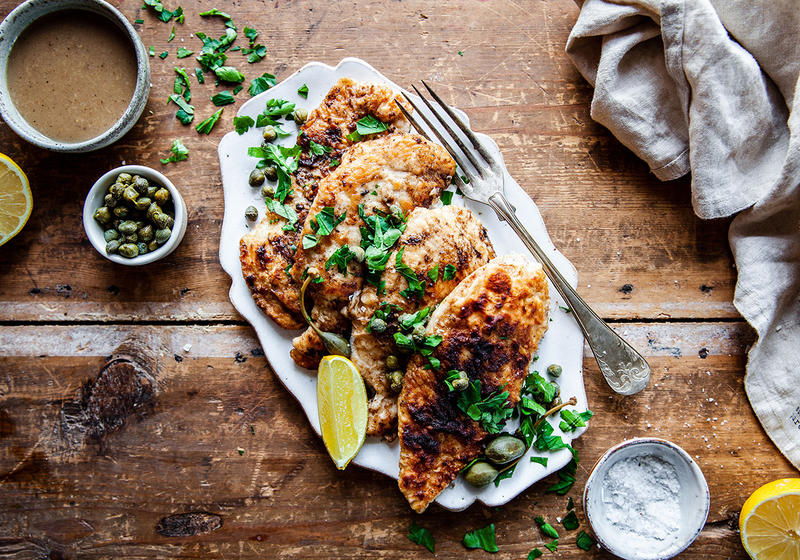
(395,379)
(377,326)
(256,177)
(112,246)
(146,233)
(300,115)
(102,215)
(504,449)
(142,203)
(161,196)
(251,213)
(358,254)
(124,178)
(461,382)
(110,234)
(130,194)
(162,235)
(121,211)
(554,370)
(271,172)
(129,250)
(270,133)
(480,474)
(110,201)
(267,191)
(392,362)
(140,184)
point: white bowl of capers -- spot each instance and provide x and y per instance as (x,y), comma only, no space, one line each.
(134,215)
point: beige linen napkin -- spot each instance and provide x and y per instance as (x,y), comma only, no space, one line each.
(710,87)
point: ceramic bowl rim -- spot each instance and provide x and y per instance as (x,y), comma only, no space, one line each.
(95,232)
(11,29)
(673,448)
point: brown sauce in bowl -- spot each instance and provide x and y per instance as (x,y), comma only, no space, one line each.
(71,75)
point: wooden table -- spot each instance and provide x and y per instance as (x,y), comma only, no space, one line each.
(207,456)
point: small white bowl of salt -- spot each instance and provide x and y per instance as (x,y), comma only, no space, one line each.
(646,499)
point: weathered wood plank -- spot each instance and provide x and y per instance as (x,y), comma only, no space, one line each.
(104,495)
(619,225)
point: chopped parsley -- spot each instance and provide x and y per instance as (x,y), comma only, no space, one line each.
(421,536)
(179,152)
(449,272)
(322,225)
(546,528)
(334,162)
(229,74)
(433,273)
(284,211)
(571,421)
(384,312)
(570,521)
(183,52)
(216,12)
(481,538)
(262,84)
(534,554)
(285,160)
(584,541)
(237,89)
(163,55)
(366,126)
(182,84)
(164,14)
(552,546)
(416,287)
(137,21)
(302,91)
(212,55)
(250,33)
(566,476)
(200,78)
(207,125)
(378,237)
(222,98)
(151,51)
(242,124)
(318,149)
(171,35)
(255,53)
(340,259)
(447,197)
(541,460)
(491,411)
(185,112)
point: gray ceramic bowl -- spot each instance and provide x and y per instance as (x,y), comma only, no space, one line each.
(94,200)
(26,13)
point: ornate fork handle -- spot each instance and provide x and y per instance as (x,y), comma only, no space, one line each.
(625,370)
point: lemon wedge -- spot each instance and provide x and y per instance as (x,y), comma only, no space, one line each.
(342,407)
(16,201)
(770,521)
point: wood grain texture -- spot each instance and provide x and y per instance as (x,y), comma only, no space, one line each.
(222,440)
(639,250)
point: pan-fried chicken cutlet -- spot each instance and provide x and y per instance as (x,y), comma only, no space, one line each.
(399,171)
(448,237)
(490,325)
(267,252)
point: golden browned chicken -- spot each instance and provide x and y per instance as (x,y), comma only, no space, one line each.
(490,325)
(392,174)
(267,252)
(446,243)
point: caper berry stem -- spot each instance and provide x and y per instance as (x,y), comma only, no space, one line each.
(334,343)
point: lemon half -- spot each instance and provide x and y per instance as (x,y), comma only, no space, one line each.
(342,407)
(770,521)
(16,201)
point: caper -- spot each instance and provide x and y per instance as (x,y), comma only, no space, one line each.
(140,184)
(396,211)
(358,253)
(110,234)
(251,213)
(130,194)
(161,220)
(418,334)
(392,362)
(267,191)
(271,172)
(153,209)
(121,211)
(110,201)
(139,224)
(151,191)
(146,233)
(558,389)
(256,177)
(124,178)
(142,246)
(116,190)
(554,370)
(162,235)
(102,215)
(395,379)
(142,203)
(132,238)
(377,326)
(480,474)
(129,250)
(128,227)
(300,116)
(170,221)
(152,246)
(504,449)
(461,382)
(161,196)
(112,246)
(270,133)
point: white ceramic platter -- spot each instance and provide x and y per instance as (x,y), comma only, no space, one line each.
(563,343)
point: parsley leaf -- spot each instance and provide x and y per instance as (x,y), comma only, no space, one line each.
(421,536)
(447,197)
(163,55)
(508,473)
(570,521)
(285,159)
(171,35)
(492,411)
(179,152)
(207,125)
(262,84)
(566,478)
(326,220)
(318,149)
(250,33)
(541,460)
(151,51)
(584,541)
(425,349)
(242,124)
(229,74)
(334,162)
(216,12)
(433,273)
(164,14)
(571,421)
(416,287)
(383,312)
(410,320)
(546,528)
(255,53)
(182,84)
(200,78)
(284,211)
(222,98)
(183,53)
(481,538)
(552,546)
(449,272)
(340,259)
(534,554)
(366,126)
(302,91)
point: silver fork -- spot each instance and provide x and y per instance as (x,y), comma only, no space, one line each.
(625,370)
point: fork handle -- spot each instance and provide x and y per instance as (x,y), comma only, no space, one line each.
(625,370)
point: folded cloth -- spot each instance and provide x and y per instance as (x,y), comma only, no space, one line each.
(711,87)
